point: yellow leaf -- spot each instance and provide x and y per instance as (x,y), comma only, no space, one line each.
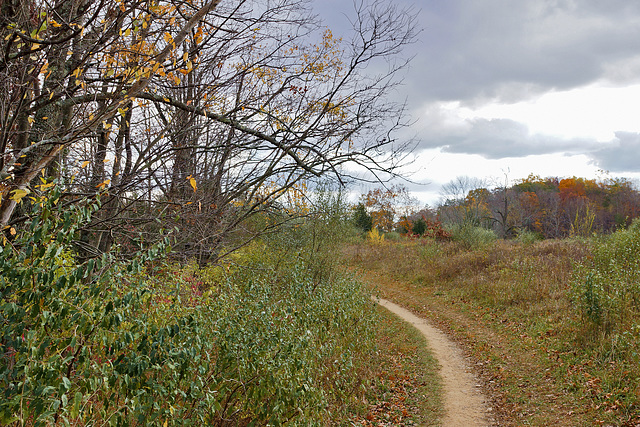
(192,181)
(12,231)
(30,119)
(127,32)
(85,163)
(168,38)
(45,186)
(106,182)
(185,56)
(18,194)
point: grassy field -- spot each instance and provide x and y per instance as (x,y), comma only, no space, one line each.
(514,307)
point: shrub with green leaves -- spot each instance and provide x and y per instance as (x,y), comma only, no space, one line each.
(82,341)
(289,343)
(528,237)
(142,342)
(471,236)
(607,286)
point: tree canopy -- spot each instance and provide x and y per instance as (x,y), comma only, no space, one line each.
(200,112)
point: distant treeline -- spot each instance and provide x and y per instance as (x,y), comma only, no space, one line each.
(550,207)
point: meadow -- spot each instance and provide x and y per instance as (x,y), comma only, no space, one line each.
(551,325)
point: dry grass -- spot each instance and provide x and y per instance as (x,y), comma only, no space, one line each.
(403,387)
(400,385)
(510,304)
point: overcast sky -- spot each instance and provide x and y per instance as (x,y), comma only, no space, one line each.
(513,87)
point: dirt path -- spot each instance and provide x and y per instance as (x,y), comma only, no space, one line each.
(464,403)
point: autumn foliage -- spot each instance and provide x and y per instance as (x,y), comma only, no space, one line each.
(196,114)
(548,207)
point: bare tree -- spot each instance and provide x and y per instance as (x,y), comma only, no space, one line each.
(70,68)
(203,111)
(453,207)
(456,190)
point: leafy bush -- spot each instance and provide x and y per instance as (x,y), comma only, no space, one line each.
(290,341)
(435,230)
(361,218)
(83,341)
(258,341)
(528,237)
(375,237)
(607,286)
(419,226)
(472,237)
(393,236)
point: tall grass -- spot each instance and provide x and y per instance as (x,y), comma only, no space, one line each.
(502,274)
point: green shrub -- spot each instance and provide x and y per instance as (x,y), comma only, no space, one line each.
(528,237)
(361,218)
(606,287)
(260,340)
(419,226)
(393,236)
(85,341)
(290,342)
(472,237)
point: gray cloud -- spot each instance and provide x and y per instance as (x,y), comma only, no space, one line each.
(620,155)
(509,50)
(478,50)
(490,138)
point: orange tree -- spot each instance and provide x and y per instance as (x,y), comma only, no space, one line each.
(385,204)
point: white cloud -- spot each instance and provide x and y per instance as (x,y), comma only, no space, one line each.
(595,111)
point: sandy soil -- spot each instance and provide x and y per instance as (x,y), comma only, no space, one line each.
(464,403)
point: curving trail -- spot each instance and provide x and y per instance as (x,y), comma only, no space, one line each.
(464,403)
